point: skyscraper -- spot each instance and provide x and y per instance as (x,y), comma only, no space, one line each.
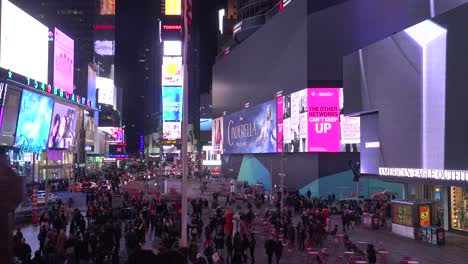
(76,19)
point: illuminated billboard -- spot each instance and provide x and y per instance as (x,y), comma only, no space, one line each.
(104,47)
(64,51)
(217,136)
(3,93)
(173,7)
(172,71)
(350,129)
(107,8)
(172,103)
(114,134)
(172,48)
(34,118)
(105,87)
(323,106)
(252,130)
(294,122)
(172,130)
(24,43)
(206,124)
(63,127)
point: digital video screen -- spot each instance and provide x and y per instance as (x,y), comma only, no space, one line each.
(34,121)
(63,126)
(172,103)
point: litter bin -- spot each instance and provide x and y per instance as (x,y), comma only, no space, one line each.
(375,222)
(440,236)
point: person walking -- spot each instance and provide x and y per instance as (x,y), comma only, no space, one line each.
(371,254)
(278,250)
(252,245)
(270,249)
(228,199)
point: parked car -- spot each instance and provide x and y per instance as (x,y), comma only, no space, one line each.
(104,188)
(41,197)
(89,186)
(340,205)
(75,187)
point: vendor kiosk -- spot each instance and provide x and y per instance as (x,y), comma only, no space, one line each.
(414,220)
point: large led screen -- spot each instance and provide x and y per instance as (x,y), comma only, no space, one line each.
(64,52)
(90,129)
(294,118)
(63,126)
(217,135)
(206,124)
(34,118)
(172,103)
(105,87)
(114,134)
(3,93)
(107,8)
(173,7)
(172,71)
(172,130)
(10,115)
(24,43)
(252,130)
(323,119)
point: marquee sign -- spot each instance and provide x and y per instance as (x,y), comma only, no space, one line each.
(47,88)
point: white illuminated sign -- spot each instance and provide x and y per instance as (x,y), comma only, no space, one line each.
(104,47)
(373,144)
(432,174)
(105,86)
(24,43)
(211,162)
(221,14)
(172,48)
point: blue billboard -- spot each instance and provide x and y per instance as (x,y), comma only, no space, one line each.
(172,103)
(252,130)
(35,113)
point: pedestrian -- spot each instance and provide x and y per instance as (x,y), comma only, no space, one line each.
(270,249)
(278,250)
(371,254)
(228,199)
(252,244)
(229,249)
(245,247)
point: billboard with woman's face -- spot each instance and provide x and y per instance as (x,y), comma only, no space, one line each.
(252,130)
(63,127)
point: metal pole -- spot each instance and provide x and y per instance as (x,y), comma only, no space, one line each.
(282,186)
(183,242)
(47,178)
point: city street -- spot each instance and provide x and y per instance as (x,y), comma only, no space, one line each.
(454,252)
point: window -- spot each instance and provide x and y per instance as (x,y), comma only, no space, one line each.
(459,208)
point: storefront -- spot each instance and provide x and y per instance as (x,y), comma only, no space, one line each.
(459,208)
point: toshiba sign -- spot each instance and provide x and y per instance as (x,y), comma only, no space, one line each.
(432,174)
(172,27)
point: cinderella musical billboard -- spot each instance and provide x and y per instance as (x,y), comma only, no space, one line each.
(251,130)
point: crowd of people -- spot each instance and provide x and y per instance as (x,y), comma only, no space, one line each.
(217,232)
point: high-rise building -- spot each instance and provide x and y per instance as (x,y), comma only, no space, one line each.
(76,19)
(137,67)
